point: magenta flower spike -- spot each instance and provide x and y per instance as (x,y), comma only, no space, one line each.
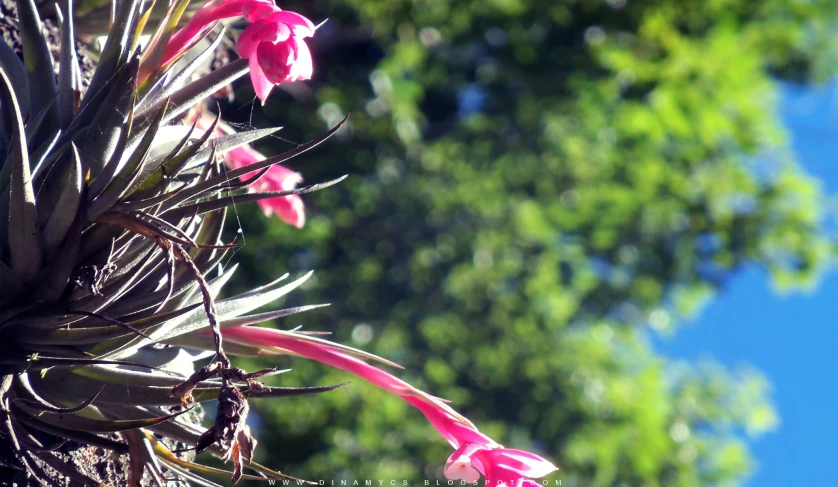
(289,209)
(205,19)
(328,353)
(273,43)
(475,454)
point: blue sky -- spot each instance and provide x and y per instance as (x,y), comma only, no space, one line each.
(792,338)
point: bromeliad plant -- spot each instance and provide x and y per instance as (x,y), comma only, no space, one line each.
(109,245)
(111,251)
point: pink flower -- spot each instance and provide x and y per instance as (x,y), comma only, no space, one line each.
(273,42)
(474,454)
(289,209)
(500,466)
(276,50)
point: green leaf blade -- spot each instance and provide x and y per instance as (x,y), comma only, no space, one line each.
(24,238)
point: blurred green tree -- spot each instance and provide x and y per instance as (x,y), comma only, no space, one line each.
(534,185)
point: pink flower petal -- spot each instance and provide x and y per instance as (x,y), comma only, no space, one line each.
(461,468)
(280,178)
(300,26)
(289,209)
(204,19)
(303,66)
(455,432)
(180,42)
(275,60)
(521,462)
(259,11)
(225,9)
(261,84)
(260,31)
(465,453)
(497,476)
(242,156)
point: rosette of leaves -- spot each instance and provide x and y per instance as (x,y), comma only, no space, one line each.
(111,251)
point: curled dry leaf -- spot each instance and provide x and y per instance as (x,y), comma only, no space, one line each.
(183,391)
(230,430)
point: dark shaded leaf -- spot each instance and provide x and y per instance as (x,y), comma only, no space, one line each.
(68,67)
(34,401)
(129,173)
(141,456)
(35,123)
(115,53)
(65,469)
(54,279)
(166,85)
(101,334)
(153,173)
(41,155)
(80,436)
(216,183)
(159,41)
(189,95)
(38,62)
(23,235)
(80,423)
(98,146)
(111,166)
(11,64)
(224,202)
(65,210)
(231,307)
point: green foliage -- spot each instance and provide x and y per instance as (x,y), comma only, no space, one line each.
(624,162)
